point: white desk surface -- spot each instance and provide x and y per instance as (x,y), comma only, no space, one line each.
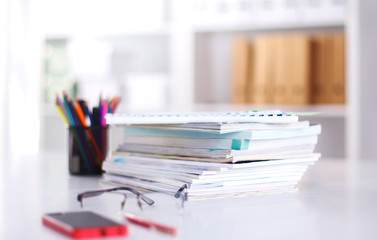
(335,201)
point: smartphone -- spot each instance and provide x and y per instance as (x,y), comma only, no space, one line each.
(83,224)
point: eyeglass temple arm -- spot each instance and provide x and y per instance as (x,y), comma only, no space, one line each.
(180,190)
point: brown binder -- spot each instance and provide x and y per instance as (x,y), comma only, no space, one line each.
(240,72)
(337,80)
(328,69)
(300,56)
(282,66)
(319,68)
(328,62)
(251,69)
(292,69)
(262,78)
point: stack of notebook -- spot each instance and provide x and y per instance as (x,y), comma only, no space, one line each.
(212,154)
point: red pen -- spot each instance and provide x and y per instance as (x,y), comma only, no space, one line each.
(149,224)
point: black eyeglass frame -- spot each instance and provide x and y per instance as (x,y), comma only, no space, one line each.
(139,195)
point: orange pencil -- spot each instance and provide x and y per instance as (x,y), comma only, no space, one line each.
(80,113)
(115,103)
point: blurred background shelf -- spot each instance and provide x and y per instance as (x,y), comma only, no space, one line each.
(159,31)
(176,56)
(246,27)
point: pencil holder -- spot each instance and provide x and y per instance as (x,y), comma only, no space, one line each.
(87,149)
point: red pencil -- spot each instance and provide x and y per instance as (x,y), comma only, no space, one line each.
(149,224)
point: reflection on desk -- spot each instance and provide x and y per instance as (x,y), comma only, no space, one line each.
(335,201)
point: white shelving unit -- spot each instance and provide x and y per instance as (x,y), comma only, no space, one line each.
(247,27)
(361,83)
(348,131)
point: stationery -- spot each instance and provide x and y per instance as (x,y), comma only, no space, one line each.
(87,132)
(151,224)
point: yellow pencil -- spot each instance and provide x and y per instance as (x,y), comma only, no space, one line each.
(62,114)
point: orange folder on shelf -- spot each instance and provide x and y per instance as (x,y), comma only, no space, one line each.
(299,92)
(328,69)
(317,69)
(262,78)
(322,61)
(240,69)
(292,69)
(281,71)
(337,81)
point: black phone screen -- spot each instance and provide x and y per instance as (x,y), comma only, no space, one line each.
(83,219)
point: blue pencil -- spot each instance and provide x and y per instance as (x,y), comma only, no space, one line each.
(68,110)
(86,109)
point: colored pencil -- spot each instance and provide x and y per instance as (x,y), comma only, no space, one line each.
(68,110)
(103,108)
(87,146)
(62,114)
(151,224)
(80,113)
(59,102)
(86,109)
(90,134)
(61,109)
(76,132)
(116,103)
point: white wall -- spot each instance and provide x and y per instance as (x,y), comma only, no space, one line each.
(20,67)
(4,17)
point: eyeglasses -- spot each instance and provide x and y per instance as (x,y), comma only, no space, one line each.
(139,195)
